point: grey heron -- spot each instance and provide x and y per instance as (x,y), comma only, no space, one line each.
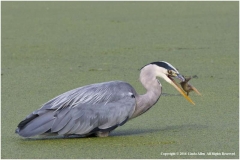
(99,108)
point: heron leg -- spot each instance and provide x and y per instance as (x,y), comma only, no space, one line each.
(102,134)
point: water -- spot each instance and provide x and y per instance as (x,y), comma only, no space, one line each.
(51,47)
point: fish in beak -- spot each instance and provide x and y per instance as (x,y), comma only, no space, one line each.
(187,87)
(180,90)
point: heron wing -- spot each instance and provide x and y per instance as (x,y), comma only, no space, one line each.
(86,118)
(96,107)
(91,94)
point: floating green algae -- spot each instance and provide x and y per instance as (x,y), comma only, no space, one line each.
(51,47)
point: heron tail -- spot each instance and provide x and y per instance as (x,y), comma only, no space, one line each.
(35,124)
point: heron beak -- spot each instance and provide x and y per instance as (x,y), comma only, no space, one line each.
(180,90)
(195,90)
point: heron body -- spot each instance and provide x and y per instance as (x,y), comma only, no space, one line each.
(97,109)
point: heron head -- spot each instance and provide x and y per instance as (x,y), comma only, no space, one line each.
(166,71)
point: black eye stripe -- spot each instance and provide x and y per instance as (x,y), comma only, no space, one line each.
(164,65)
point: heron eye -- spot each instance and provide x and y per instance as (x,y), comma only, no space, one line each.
(170,72)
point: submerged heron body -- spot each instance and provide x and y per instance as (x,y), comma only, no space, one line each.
(98,109)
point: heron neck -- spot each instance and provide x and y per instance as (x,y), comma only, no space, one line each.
(153,88)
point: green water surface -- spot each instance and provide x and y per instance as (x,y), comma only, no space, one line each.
(51,47)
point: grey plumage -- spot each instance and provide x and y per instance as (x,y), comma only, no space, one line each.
(98,108)
(82,110)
